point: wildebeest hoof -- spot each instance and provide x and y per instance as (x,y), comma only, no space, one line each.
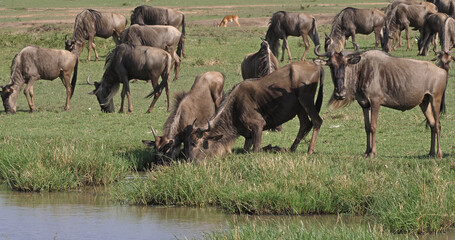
(32,110)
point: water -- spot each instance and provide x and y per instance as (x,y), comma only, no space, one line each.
(89,216)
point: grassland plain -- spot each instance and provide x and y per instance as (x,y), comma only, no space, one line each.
(401,190)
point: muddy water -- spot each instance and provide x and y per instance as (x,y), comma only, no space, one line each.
(91,215)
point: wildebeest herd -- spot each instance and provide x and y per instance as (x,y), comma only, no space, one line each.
(206,121)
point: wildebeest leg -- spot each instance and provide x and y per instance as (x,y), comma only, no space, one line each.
(94,49)
(367,120)
(257,137)
(377,36)
(28,92)
(407,38)
(89,46)
(123,99)
(431,111)
(307,45)
(373,123)
(157,93)
(285,45)
(65,77)
(176,66)
(305,127)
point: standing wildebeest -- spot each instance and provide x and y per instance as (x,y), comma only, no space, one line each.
(350,21)
(199,103)
(167,38)
(284,24)
(126,62)
(448,35)
(33,63)
(256,105)
(445,6)
(375,79)
(402,17)
(148,15)
(259,64)
(432,27)
(90,24)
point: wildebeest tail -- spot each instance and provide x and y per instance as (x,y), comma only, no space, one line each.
(181,45)
(314,33)
(183,25)
(321,90)
(74,79)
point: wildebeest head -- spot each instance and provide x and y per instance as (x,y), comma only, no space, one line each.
(164,147)
(105,100)
(8,102)
(70,44)
(337,62)
(444,59)
(331,45)
(198,141)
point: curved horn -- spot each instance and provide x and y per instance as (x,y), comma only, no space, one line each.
(208,129)
(316,51)
(88,81)
(66,37)
(153,132)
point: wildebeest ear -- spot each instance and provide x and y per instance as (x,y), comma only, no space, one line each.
(354,60)
(319,62)
(148,143)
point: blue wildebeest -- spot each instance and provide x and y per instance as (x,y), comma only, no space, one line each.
(90,24)
(284,24)
(191,109)
(375,79)
(167,38)
(34,63)
(401,18)
(447,37)
(350,21)
(256,105)
(432,27)
(148,15)
(259,64)
(126,62)
(445,6)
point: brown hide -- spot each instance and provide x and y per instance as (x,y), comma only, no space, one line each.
(401,18)
(375,79)
(148,15)
(90,24)
(167,38)
(351,21)
(127,62)
(256,105)
(284,24)
(432,27)
(34,63)
(191,109)
(259,64)
(448,34)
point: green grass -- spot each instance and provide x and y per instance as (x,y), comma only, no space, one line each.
(402,190)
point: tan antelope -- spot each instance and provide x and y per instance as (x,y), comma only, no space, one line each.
(229,18)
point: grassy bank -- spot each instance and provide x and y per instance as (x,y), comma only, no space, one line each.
(401,189)
(298,230)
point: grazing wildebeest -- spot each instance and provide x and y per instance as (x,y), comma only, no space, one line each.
(444,59)
(447,37)
(229,18)
(445,6)
(433,25)
(259,64)
(350,21)
(90,24)
(126,62)
(284,24)
(167,38)
(375,79)
(34,63)
(199,103)
(401,18)
(148,15)
(256,105)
